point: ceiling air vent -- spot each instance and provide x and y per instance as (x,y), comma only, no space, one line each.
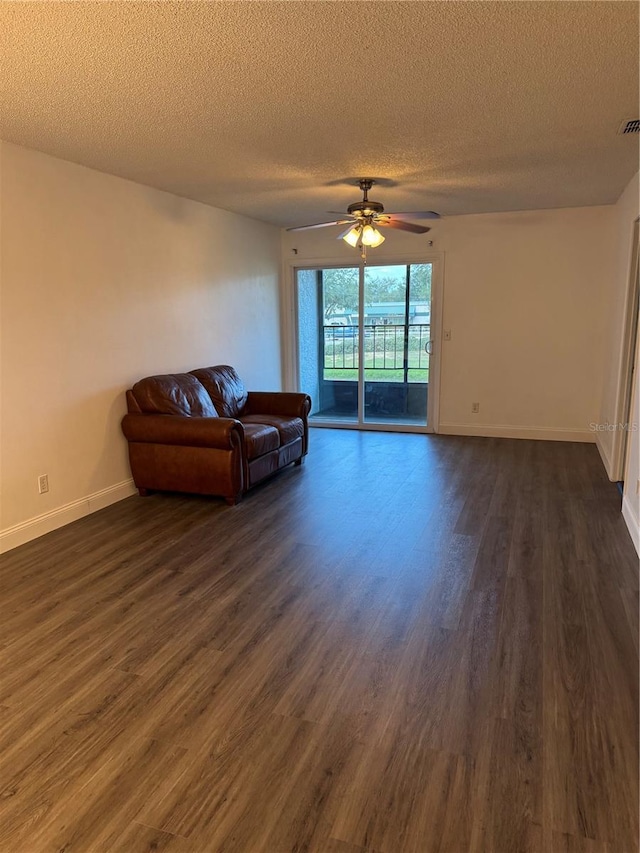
(630,126)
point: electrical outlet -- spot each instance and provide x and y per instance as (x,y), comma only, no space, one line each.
(475,408)
(447,335)
(43,483)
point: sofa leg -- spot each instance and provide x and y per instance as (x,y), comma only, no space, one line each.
(234,499)
(144,492)
(298,462)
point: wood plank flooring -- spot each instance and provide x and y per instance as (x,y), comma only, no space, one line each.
(410,645)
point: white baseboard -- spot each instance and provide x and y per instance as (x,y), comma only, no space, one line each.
(24,532)
(632,523)
(506,431)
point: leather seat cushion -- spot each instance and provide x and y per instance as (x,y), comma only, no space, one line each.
(288,428)
(174,394)
(260,439)
(225,388)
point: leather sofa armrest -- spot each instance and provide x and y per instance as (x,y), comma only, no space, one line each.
(221,433)
(284,403)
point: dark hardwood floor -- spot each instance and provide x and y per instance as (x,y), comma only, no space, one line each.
(409,645)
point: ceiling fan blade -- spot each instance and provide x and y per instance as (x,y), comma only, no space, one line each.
(319,225)
(404,226)
(416,214)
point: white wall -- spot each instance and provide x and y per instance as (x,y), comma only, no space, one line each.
(610,442)
(104,281)
(523,296)
(631,497)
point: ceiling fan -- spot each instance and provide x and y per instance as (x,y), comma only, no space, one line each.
(366,216)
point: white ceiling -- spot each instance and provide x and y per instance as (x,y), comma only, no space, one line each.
(274,109)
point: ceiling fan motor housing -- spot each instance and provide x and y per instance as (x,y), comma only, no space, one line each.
(365,208)
(366,213)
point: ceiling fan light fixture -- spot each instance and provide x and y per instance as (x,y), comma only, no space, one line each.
(352,236)
(364,215)
(371,236)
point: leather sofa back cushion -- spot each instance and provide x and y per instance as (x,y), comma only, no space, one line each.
(225,388)
(174,394)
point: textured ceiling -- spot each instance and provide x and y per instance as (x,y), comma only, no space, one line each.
(271,108)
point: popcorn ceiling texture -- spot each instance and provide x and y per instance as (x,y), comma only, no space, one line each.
(270,109)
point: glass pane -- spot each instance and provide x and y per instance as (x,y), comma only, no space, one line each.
(419,323)
(339,387)
(328,341)
(396,334)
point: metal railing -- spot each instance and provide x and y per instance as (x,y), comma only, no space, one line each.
(390,347)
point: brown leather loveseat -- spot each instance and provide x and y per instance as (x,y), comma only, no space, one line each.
(202,432)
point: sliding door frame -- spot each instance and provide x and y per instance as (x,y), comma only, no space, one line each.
(290,332)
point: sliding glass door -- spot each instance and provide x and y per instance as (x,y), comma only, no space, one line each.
(364,343)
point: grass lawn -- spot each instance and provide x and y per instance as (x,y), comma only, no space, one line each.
(383,358)
(375,374)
